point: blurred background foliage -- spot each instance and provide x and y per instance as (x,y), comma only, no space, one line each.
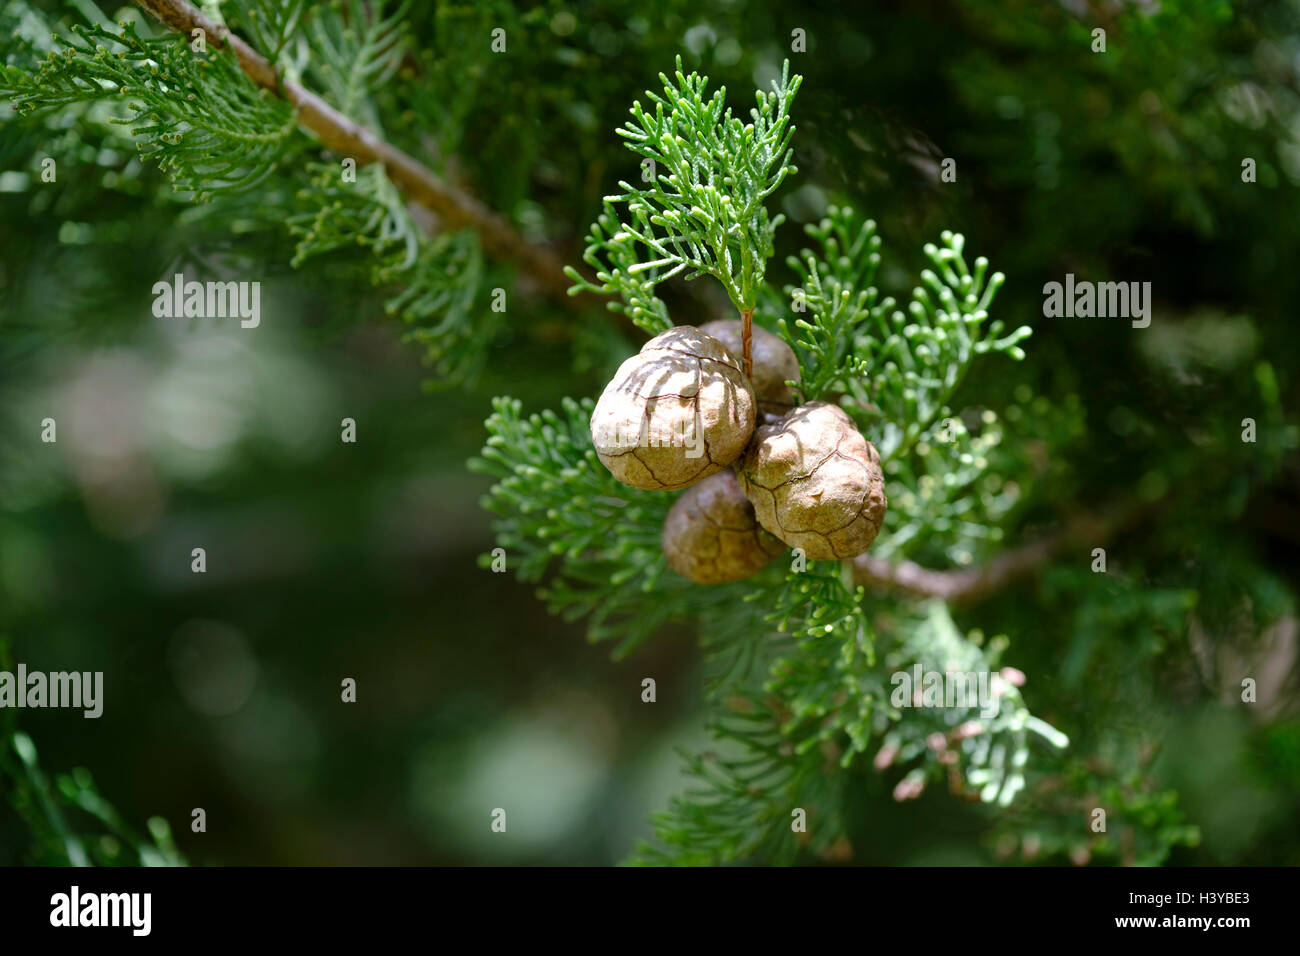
(328,560)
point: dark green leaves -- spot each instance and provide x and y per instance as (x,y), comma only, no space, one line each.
(621,274)
(72,823)
(194,113)
(706,176)
(918,358)
(557,504)
(838,294)
(269,25)
(357,48)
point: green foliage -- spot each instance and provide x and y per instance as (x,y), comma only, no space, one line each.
(357,48)
(897,373)
(912,362)
(1054,824)
(445,300)
(800,674)
(982,753)
(611,253)
(837,286)
(1149,110)
(235,147)
(824,698)
(195,114)
(952,500)
(801,716)
(269,24)
(796,737)
(703,212)
(369,212)
(555,502)
(442,281)
(71,824)
(742,797)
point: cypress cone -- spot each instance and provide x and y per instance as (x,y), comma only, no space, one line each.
(678,411)
(774,362)
(711,535)
(815,482)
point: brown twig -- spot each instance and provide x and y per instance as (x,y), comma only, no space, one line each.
(747,341)
(972,584)
(349,138)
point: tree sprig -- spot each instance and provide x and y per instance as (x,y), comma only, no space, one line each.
(707,176)
(196,114)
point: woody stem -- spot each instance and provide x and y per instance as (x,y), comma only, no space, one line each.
(455,208)
(747,341)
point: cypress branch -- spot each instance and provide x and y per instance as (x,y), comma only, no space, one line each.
(454,207)
(967,585)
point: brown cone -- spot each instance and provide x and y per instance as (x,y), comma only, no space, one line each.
(711,536)
(815,482)
(774,362)
(679,410)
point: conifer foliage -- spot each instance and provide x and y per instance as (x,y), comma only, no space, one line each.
(366,160)
(240,150)
(804,700)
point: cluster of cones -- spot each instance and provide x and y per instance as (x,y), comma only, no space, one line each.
(761,472)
